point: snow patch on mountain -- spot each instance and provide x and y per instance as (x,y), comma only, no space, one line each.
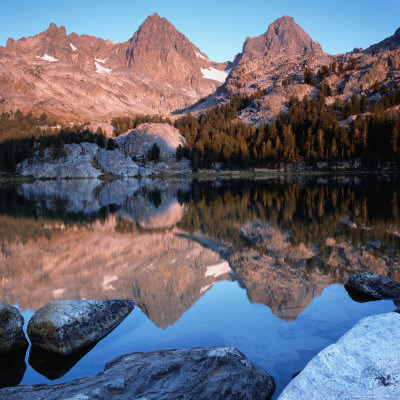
(214,74)
(101,61)
(201,55)
(218,269)
(46,57)
(73,47)
(101,70)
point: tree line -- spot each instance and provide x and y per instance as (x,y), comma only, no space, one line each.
(309,131)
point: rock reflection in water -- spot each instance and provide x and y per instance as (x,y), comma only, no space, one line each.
(12,368)
(285,240)
(133,253)
(54,366)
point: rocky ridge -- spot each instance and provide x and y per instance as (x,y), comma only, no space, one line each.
(80,77)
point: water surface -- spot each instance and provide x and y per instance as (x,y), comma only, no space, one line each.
(258,265)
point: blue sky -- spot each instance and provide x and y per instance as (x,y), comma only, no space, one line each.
(217,27)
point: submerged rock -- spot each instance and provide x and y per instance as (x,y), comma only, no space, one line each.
(200,374)
(66,326)
(368,286)
(12,336)
(362,364)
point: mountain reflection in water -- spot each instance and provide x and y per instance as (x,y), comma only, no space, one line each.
(165,244)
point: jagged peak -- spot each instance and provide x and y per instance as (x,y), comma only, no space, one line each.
(283,35)
(286,19)
(54,29)
(155,21)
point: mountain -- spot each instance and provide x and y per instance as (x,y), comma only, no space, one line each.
(158,52)
(80,77)
(283,36)
(157,71)
(274,63)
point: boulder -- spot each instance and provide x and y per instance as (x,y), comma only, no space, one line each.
(367,286)
(66,326)
(115,163)
(139,141)
(200,374)
(12,336)
(362,364)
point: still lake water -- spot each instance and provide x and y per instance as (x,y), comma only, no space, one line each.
(255,264)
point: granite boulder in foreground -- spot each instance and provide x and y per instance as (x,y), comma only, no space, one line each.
(66,326)
(12,336)
(217,373)
(368,286)
(362,364)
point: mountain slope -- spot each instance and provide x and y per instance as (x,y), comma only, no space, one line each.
(82,77)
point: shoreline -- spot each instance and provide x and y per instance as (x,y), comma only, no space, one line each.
(230,174)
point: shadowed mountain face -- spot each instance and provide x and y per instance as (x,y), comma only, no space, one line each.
(82,77)
(165,244)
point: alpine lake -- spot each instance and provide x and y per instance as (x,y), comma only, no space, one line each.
(255,264)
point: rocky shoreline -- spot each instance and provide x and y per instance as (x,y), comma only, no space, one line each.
(358,365)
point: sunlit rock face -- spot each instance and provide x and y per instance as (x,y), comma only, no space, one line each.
(138,142)
(81,77)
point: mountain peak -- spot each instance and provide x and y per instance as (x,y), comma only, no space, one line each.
(283,36)
(54,30)
(155,22)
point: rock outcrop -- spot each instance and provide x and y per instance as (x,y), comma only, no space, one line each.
(84,160)
(72,161)
(66,326)
(117,164)
(89,161)
(218,373)
(362,364)
(138,142)
(12,336)
(367,286)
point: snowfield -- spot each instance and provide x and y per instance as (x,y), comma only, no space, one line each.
(101,61)
(201,56)
(46,57)
(101,70)
(73,47)
(214,74)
